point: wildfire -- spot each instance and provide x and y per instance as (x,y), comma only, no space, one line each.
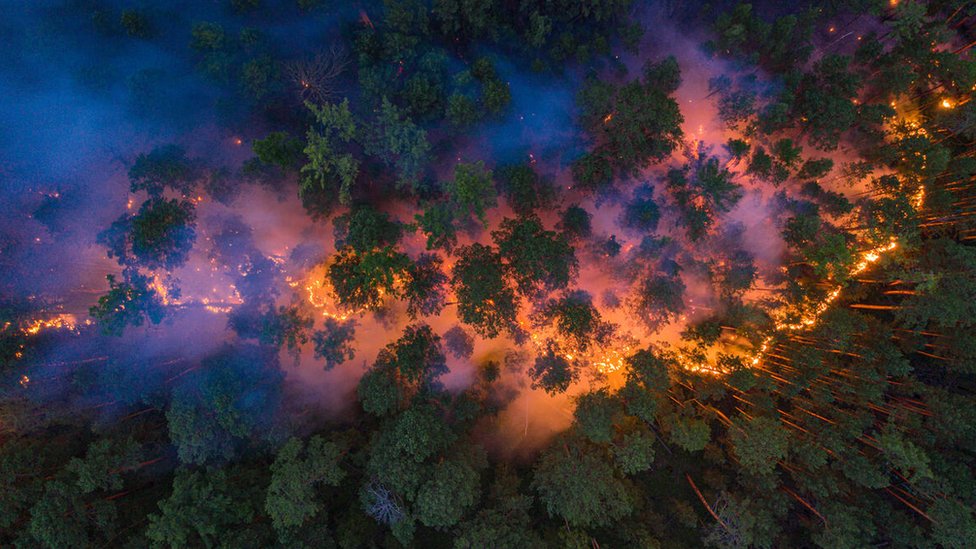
(59,322)
(320,294)
(216,306)
(947,104)
(607,118)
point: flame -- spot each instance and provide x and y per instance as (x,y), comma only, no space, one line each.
(947,104)
(216,306)
(59,322)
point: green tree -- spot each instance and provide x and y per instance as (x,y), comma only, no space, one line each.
(296,472)
(642,213)
(280,149)
(485,299)
(658,299)
(201,510)
(538,260)
(453,488)
(576,483)
(222,403)
(365,229)
(164,167)
(576,320)
(575,222)
(424,286)
(330,167)
(825,101)
(759,444)
(159,236)
(361,280)
(334,342)
(552,371)
(104,462)
(128,303)
(399,142)
(595,415)
(638,122)
(524,189)
(438,222)
(472,190)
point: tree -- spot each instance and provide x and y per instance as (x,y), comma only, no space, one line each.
(538,260)
(424,286)
(642,213)
(334,342)
(691,434)
(504,521)
(128,303)
(61,518)
(638,122)
(452,489)
(595,415)
(417,355)
(825,101)
(462,111)
(296,472)
(438,222)
(224,401)
(164,167)
(592,171)
(330,166)
(552,372)
(472,191)
(361,280)
(777,46)
(954,524)
(399,142)
(575,222)
(737,148)
(365,229)
(459,342)
(104,462)
(285,326)
(524,189)
(411,364)
(635,452)
(708,190)
(162,233)
(279,149)
(659,298)
(576,483)
(759,444)
(646,385)
(201,509)
(485,300)
(576,320)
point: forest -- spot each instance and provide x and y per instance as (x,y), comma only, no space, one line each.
(488,274)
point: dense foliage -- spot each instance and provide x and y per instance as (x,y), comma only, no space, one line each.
(835,410)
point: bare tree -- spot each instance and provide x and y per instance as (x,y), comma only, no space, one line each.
(383,505)
(315,77)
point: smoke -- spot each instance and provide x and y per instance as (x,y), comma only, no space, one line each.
(84,99)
